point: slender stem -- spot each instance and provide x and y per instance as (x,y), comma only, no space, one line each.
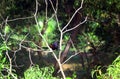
(61,69)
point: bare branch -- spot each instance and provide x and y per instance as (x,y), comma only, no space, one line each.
(36,9)
(61,34)
(46,10)
(73,16)
(20,44)
(31,62)
(75,26)
(55,11)
(40,32)
(21,18)
(10,69)
(70,58)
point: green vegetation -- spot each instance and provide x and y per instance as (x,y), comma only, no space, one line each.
(5,72)
(35,72)
(33,37)
(113,71)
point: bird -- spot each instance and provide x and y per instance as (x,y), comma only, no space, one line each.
(54,45)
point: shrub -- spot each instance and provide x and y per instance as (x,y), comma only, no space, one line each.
(35,72)
(113,71)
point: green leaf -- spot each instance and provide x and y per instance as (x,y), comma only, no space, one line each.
(17,37)
(51,26)
(25,29)
(68,78)
(33,45)
(93,73)
(7,29)
(4,47)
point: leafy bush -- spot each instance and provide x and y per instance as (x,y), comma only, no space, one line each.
(35,72)
(113,71)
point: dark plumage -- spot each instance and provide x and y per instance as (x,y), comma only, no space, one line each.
(54,46)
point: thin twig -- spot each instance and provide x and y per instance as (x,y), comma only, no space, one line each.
(31,62)
(73,16)
(46,9)
(21,18)
(76,26)
(73,45)
(55,12)
(70,58)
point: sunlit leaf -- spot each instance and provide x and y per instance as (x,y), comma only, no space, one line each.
(68,78)
(51,26)
(40,23)
(17,37)
(33,45)
(7,29)
(25,29)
